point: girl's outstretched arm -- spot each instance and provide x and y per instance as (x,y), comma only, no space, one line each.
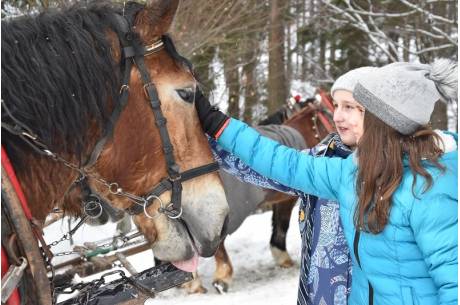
(316,176)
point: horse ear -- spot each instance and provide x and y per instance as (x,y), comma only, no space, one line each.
(155,19)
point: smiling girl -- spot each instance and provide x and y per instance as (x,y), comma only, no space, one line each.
(325,275)
(398,192)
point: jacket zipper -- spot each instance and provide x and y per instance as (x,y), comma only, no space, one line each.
(355,250)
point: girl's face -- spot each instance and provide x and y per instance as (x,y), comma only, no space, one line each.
(348,117)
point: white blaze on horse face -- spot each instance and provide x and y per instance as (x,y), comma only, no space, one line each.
(348,117)
(205,211)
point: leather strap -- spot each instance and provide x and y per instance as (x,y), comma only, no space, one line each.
(166,185)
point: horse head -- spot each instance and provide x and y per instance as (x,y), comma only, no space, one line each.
(104,123)
(313,121)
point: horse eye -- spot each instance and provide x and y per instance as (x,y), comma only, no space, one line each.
(187,94)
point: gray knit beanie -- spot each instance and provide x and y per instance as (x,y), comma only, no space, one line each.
(403,94)
(349,80)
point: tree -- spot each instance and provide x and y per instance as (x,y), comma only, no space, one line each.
(277,91)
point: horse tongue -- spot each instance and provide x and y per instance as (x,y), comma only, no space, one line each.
(189,265)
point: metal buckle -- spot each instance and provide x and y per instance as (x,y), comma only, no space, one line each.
(177,178)
(147,96)
(170,212)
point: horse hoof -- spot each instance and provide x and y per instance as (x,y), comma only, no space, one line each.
(281,258)
(198,290)
(194,287)
(220,286)
(286,264)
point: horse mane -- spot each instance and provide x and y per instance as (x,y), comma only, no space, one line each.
(58,73)
(59,76)
(305,110)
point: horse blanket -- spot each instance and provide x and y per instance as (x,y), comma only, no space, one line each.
(243,198)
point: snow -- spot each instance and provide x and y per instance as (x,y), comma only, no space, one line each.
(256,279)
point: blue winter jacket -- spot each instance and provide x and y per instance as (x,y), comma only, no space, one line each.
(414,259)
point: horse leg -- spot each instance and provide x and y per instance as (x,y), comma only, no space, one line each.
(224,269)
(195,285)
(280,223)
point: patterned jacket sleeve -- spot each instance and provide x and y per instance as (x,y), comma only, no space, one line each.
(235,167)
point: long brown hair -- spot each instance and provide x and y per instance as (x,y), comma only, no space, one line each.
(380,154)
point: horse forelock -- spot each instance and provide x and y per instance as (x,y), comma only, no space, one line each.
(58,73)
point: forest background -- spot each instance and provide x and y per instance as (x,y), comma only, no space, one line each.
(254,54)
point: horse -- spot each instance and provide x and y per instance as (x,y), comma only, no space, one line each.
(286,111)
(245,198)
(99,92)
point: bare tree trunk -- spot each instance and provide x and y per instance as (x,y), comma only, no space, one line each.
(232,81)
(312,50)
(406,43)
(439,116)
(322,51)
(250,92)
(288,53)
(248,77)
(277,92)
(300,10)
(202,62)
(394,37)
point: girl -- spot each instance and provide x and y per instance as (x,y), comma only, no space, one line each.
(325,271)
(401,219)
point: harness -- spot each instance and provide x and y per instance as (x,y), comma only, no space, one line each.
(133,53)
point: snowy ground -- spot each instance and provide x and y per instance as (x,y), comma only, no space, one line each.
(257,280)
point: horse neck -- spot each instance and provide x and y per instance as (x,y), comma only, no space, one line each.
(44,183)
(303,123)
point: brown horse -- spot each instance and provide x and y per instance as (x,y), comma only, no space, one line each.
(307,123)
(61,80)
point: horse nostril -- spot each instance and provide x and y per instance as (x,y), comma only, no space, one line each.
(223,233)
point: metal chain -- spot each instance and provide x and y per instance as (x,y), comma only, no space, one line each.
(86,289)
(112,245)
(66,236)
(69,234)
(34,141)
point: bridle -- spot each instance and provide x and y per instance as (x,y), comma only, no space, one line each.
(133,53)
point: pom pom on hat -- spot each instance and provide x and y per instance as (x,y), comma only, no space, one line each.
(444,74)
